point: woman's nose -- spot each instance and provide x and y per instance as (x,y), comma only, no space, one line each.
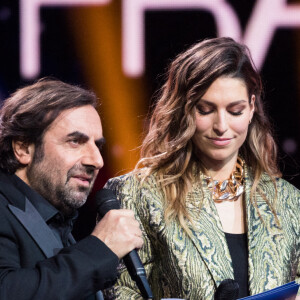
(220,123)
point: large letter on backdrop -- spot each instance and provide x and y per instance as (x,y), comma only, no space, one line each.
(30,31)
(133,25)
(267,16)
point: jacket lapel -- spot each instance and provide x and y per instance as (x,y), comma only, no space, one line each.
(265,239)
(29,217)
(207,234)
(37,228)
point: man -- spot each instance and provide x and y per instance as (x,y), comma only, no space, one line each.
(50,142)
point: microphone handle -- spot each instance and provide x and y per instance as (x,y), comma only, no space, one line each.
(106,200)
(137,272)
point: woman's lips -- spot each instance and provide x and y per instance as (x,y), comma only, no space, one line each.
(220,141)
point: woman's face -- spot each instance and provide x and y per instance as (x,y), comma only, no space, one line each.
(222,119)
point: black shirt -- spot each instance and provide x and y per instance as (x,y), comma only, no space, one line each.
(237,244)
(60,225)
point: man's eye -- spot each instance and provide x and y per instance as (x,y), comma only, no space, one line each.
(74,141)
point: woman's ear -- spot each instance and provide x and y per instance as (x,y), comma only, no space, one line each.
(252,106)
(23,151)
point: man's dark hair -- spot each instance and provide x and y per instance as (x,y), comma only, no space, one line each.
(26,115)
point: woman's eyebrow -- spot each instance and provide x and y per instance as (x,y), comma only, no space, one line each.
(237,103)
(207,102)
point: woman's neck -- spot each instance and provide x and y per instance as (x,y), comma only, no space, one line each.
(219,170)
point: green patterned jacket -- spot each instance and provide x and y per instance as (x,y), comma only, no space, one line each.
(191,266)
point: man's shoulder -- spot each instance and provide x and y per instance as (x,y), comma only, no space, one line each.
(5,179)
(9,193)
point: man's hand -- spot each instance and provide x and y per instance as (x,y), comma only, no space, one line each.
(119,230)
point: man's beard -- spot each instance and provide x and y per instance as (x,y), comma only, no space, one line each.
(44,177)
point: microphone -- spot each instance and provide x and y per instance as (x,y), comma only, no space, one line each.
(227,290)
(105,201)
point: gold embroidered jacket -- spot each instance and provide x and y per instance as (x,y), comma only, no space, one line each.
(191,266)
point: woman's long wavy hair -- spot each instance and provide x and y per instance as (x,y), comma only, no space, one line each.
(168,150)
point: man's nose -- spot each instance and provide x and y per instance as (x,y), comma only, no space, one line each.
(92,157)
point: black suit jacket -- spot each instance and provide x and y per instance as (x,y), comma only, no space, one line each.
(33,264)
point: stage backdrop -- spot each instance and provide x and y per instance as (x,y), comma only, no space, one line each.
(120,49)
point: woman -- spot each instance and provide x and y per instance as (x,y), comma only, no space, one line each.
(209,197)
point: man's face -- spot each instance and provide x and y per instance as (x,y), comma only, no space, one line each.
(65,171)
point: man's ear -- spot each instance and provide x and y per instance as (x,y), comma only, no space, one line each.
(23,151)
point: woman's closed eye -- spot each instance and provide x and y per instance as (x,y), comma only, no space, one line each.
(204,110)
(236,113)
(236,110)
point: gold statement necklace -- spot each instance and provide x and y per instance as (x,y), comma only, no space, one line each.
(231,188)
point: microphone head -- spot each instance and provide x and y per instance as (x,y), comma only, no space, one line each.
(227,290)
(105,201)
